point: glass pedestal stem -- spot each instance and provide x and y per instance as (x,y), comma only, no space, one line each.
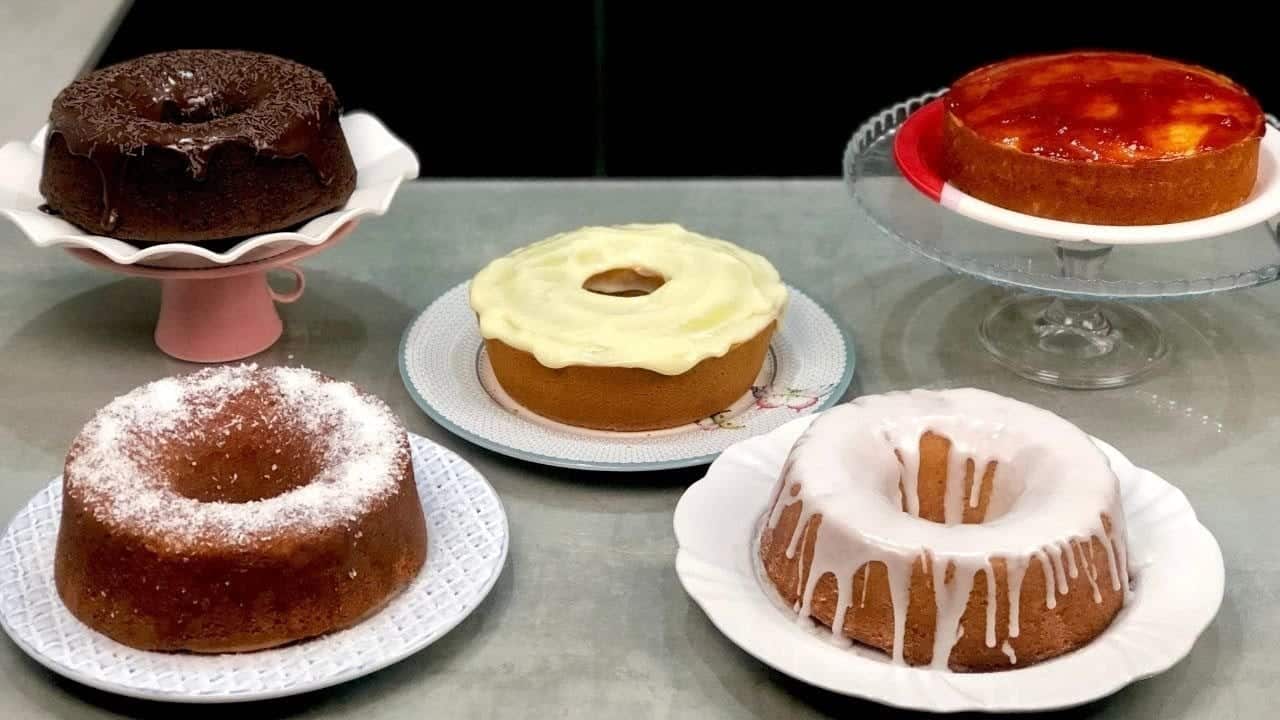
(1076,343)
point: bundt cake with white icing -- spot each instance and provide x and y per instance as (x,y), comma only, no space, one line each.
(236,509)
(956,529)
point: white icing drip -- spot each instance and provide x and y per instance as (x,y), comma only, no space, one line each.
(844,591)
(1113,563)
(797,535)
(1015,571)
(1007,649)
(1050,592)
(951,599)
(899,591)
(991,606)
(953,502)
(975,489)
(1067,552)
(866,583)
(1118,555)
(1122,554)
(1090,571)
(911,478)
(816,572)
(113,469)
(1060,576)
(800,578)
(860,465)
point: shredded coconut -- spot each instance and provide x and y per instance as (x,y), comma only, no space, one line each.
(116,461)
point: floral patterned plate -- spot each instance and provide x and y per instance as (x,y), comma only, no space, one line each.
(446,370)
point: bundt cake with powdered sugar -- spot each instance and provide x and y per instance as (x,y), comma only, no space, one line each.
(235,509)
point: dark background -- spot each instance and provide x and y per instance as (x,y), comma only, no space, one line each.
(579,88)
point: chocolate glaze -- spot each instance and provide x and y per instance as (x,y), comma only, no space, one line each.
(192,102)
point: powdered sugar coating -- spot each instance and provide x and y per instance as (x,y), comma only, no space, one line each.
(115,466)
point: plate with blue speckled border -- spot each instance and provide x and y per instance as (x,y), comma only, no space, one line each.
(445,368)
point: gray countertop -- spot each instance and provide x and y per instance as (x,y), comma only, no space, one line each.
(588,618)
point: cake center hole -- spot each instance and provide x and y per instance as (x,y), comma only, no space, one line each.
(192,109)
(953,491)
(260,458)
(625,282)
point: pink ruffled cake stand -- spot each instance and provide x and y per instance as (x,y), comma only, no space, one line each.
(223,313)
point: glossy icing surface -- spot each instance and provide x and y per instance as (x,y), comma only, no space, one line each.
(1105,107)
(715,296)
(857,467)
(193,102)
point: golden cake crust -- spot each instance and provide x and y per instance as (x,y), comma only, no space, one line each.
(956,529)
(142,559)
(1102,138)
(629,399)
(1045,632)
(628,327)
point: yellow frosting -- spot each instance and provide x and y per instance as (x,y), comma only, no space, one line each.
(716,295)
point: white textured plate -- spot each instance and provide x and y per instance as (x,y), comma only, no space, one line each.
(1178,588)
(467,547)
(446,370)
(382,162)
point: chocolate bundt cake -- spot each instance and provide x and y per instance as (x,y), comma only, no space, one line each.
(196,146)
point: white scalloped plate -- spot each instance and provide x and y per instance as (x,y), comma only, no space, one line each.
(1178,588)
(382,162)
(447,372)
(467,548)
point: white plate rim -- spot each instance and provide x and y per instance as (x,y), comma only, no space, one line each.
(495,571)
(948,698)
(573,464)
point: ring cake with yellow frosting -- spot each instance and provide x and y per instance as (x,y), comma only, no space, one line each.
(956,529)
(1105,138)
(628,328)
(236,509)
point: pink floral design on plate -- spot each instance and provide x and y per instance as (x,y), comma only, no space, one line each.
(792,398)
(767,398)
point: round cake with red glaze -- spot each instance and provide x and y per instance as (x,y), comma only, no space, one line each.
(236,509)
(196,146)
(1105,138)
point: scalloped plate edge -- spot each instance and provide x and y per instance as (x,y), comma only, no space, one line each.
(377,146)
(755,624)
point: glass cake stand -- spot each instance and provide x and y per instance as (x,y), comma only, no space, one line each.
(1073,315)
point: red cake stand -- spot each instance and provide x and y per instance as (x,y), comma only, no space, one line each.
(220,314)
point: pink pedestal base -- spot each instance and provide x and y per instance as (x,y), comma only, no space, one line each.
(219,314)
(223,319)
